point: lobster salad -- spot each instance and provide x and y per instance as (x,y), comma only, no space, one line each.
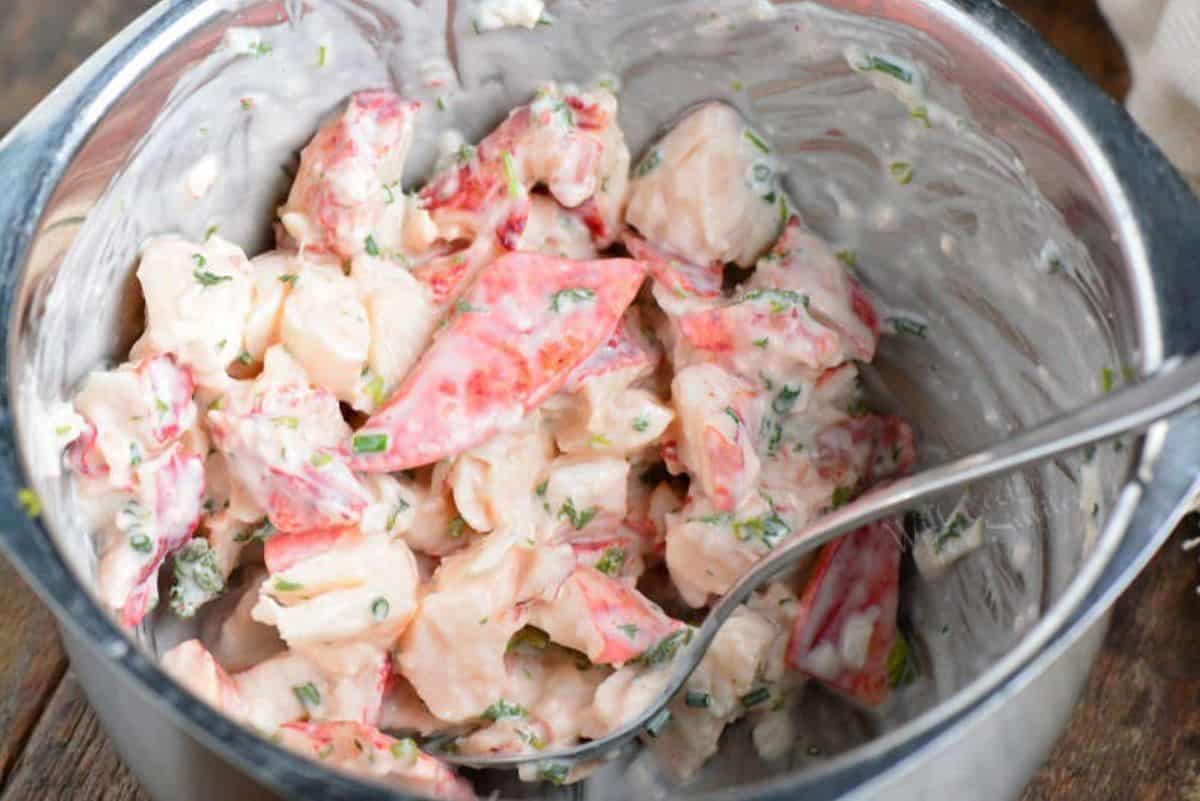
(462,465)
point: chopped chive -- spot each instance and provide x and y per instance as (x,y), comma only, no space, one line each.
(374,390)
(906,325)
(733,415)
(648,164)
(245,358)
(211,232)
(921,113)
(762,342)
(371,246)
(755,697)
(457,527)
(441,104)
(697,700)
(1106,380)
(307,694)
(841,496)
(287,422)
(578,519)
(369,443)
(141,543)
(902,171)
(757,141)
(206,278)
(380,608)
(283,585)
(564,298)
(503,710)
(510,175)
(848,258)
(405,749)
(540,489)
(322,55)
(641,423)
(289,279)
(877,64)
(554,772)
(600,441)
(611,561)
(630,630)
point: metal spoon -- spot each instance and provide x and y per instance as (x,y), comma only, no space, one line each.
(1172,388)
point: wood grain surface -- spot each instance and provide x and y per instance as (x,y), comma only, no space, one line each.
(1136,734)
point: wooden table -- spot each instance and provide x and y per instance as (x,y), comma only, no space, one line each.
(1136,734)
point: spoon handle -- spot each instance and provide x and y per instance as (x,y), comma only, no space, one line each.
(1171,389)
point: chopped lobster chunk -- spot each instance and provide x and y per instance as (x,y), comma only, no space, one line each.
(617,554)
(156,521)
(763,331)
(557,140)
(556,231)
(546,702)
(446,275)
(709,549)
(846,623)
(198,300)
(295,685)
(584,494)
(604,618)
(493,484)
(453,652)
(326,329)
(676,281)
(357,588)
(730,674)
(804,263)
(524,326)
(647,515)
(629,351)
(190,664)
(274,274)
(343,201)
(862,451)
(133,413)
(401,315)
(282,442)
(717,418)
(708,190)
(392,510)
(622,696)
(363,750)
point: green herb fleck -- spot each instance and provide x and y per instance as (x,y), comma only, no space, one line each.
(141,543)
(663,650)
(780,299)
(307,694)
(205,278)
(374,390)
(768,529)
(210,232)
(371,246)
(261,49)
(736,86)
(320,459)
(733,415)
(755,697)
(848,258)
(883,65)
(283,585)
(405,750)
(641,423)
(135,454)
(907,325)
(611,561)
(762,342)
(369,443)
(503,710)
(697,699)
(785,401)
(289,279)
(245,358)
(380,608)
(247,104)
(578,519)
(441,104)
(510,174)
(198,578)
(564,298)
(554,772)
(1106,380)
(648,164)
(757,141)
(902,171)
(921,113)
(456,528)
(286,422)
(953,531)
(719,519)
(531,637)
(630,630)
(600,441)
(540,489)
(901,670)
(322,55)
(842,496)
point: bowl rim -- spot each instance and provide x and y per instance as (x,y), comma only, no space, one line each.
(46,142)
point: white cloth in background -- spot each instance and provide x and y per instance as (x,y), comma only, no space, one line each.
(1162,41)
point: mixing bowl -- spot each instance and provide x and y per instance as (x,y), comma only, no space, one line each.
(976,182)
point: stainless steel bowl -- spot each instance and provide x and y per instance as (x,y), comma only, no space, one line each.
(1043,236)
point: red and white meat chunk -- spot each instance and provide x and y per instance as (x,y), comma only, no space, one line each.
(524,326)
(344,199)
(846,623)
(708,190)
(198,300)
